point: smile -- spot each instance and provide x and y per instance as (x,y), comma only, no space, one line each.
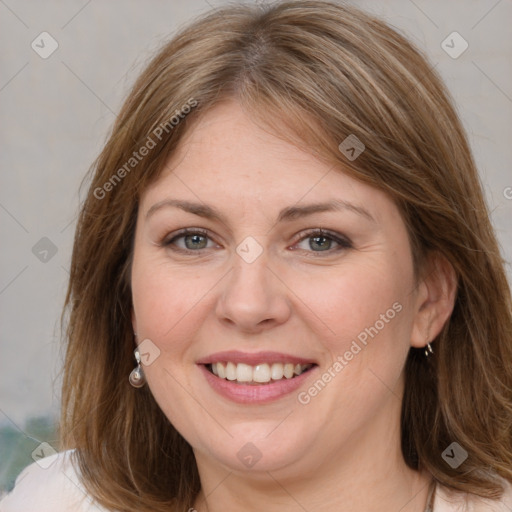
(255,378)
(259,374)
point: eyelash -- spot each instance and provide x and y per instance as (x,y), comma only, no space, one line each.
(343,242)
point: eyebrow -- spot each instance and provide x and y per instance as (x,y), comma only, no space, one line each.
(286,214)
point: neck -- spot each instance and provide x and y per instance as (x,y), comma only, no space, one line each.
(366,472)
(405,490)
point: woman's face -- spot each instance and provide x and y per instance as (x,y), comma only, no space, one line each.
(254,291)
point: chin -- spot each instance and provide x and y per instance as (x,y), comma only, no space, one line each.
(259,447)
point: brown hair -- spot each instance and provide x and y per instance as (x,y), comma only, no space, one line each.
(325,71)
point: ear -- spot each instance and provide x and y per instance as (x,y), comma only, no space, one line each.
(435,299)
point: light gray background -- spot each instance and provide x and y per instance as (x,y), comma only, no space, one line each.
(55,114)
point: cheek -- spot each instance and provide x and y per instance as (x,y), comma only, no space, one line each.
(367,312)
(357,300)
(167,305)
(160,301)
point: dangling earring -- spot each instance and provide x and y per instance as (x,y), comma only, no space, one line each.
(428,350)
(137,377)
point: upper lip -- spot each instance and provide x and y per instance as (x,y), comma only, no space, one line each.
(254,358)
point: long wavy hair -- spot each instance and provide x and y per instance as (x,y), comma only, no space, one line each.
(322,71)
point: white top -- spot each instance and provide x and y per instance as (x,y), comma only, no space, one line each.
(52,485)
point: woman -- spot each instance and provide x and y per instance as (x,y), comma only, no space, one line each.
(287,226)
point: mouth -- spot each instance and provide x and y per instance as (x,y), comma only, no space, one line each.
(258,375)
(255,378)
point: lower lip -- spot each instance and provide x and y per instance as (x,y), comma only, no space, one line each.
(255,394)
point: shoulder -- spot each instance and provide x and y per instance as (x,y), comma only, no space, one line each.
(447,500)
(50,484)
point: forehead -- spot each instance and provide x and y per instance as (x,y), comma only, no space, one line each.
(228,159)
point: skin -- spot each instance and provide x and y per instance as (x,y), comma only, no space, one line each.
(340,451)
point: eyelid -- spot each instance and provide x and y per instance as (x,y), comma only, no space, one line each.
(168,239)
(342,240)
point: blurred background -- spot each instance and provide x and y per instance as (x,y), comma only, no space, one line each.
(66,67)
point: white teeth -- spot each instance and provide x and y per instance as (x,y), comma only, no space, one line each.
(231,371)
(243,372)
(221,370)
(288,370)
(277,371)
(261,373)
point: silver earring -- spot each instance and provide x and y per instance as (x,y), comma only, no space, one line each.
(428,350)
(137,377)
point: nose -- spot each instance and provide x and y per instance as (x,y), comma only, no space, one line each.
(253,298)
